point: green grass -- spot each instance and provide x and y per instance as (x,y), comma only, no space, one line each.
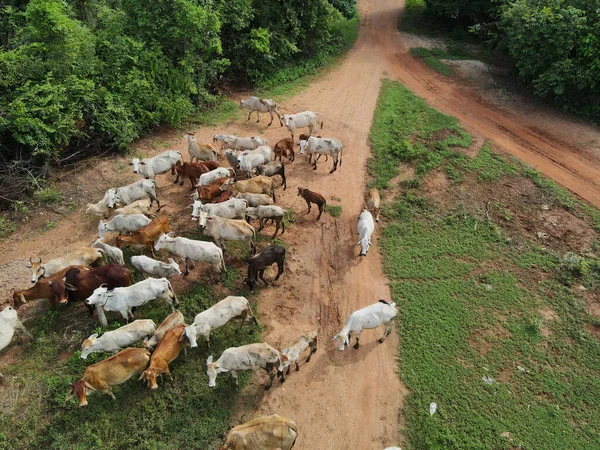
(7,227)
(470,305)
(223,110)
(184,413)
(47,195)
(333,210)
(49,225)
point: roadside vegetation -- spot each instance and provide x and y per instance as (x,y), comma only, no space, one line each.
(183,413)
(552,45)
(85,78)
(499,320)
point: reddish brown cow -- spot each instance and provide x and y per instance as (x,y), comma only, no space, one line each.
(312,197)
(167,351)
(146,236)
(114,370)
(211,191)
(192,171)
(79,285)
(45,289)
(212,165)
(284,147)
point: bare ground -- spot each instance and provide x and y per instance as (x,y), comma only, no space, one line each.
(351,399)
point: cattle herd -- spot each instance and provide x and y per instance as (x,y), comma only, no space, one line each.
(225,201)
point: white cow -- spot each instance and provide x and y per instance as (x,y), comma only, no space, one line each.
(143,206)
(202,152)
(191,250)
(154,268)
(123,223)
(114,341)
(84,256)
(260,105)
(99,209)
(369,317)
(249,159)
(171,321)
(125,195)
(268,212)
(123,299)
(292,353)
(9,323)
(227,230)
(301,120)
(255,200)
(239,143)
(323,146)
(246,357)
(217,316)
(234,208)
(209,177)
(366,226)
(162,163)
(113,254)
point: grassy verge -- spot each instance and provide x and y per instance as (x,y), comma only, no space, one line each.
(494,330)
(184,413)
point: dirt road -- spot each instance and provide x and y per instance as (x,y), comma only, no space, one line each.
(350,399)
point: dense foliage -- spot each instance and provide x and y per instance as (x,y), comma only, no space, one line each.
(80,75)
(555,44)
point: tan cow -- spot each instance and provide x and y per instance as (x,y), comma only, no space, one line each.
(112,371)
(166,352)
(84,256)
(292,353)
(171,321)
(222,230)
(263,433)
(256,185)
(145,236)
(373,201)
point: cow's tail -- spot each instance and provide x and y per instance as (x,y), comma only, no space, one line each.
(103,253)
(283,176)
(174,295)
(321,124)
(222,262)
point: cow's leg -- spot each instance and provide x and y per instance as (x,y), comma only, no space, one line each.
(261,274)
(297,366)
(257,116)
(243,318)
(105,388)
(282,225)
(279,270)
(261,224)
(276,229)
(313,349)
(187,271)
(321,209)
(270,369)
(309,205)
(315,163)
(388,330)
(271,114)
(357,338)
(153,199)
(235,377)
(335,164)
(249,114)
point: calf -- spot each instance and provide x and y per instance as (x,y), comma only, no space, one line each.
(259,105)
(213,175)
(366,226)
(135,191)
(263,433)
(312,197)
(304,137)
(212,191)
(217,316)
(9,324)
(166,352)
(238,143)
(257,185)
(264,213)
(84,256)
(292,353)
(369,317)
(192,171)
(123,224)
(258,263)
(202,152)
(246,357)
(113,341)
(146,236)
(154,268)
(45,289)
(250,159)
(221,229)
(191,250)
(162,163)
(113,254)
(272,169)
(124,299)
(255,200)
(373,202)
(285,147)
(171,321)
(112,371)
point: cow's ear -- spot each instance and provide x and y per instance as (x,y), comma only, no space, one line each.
(93,336)
(142,163)
(209,360)
(142,376)
(70,287)
(358,244)
(131,164)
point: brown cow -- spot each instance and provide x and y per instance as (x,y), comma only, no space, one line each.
(284,147)
(112,371)
(45,289)
(79,285)
(211,191)
(192,171)
(167,351)
(145,236)
(313,197)
(263,433)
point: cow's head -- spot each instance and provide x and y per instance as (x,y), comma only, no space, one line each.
(110,197)
(191,332)
(342,340)
(364,246)
(101,229)
(80,389)
(285,120)
(59,287)
(212,371)
(88,346)
(284,361)
(203,219)
(251,282)
(18,299)
(302,145)
(150,376)
(136,163)
(174,266)
(98,296)
(301,191)
(9,314)
(163,240)
(37,270)
(224,187)
(196,209)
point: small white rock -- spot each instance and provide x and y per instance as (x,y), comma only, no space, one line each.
(432,408)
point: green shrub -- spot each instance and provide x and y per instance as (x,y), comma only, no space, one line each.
(47,195)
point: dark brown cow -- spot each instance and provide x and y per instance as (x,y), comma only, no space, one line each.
(273,254)
(79,285)
(312,197)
